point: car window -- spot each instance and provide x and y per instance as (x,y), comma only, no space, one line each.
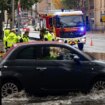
(60,53)
(55,53)
(48,53)
(26,53)
(30,52)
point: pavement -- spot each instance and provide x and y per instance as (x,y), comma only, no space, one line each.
(95,42)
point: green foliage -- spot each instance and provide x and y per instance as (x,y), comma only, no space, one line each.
(5,4)
(25,4)
(71,4)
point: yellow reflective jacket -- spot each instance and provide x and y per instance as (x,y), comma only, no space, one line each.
(11,39)
(19,36)
(6,33)
(25,38)
(49,36)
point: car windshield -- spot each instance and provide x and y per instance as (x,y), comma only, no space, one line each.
(70,21)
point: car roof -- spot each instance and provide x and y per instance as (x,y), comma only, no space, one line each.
(38,42)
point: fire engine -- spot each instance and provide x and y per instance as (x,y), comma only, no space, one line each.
(68,26)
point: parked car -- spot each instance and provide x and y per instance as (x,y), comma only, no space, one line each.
(49,66)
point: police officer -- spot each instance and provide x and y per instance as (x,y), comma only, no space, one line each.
(6,33)
(42,33)
(12,38)
(25,36)
(19,36)
(53,35)
(48,36)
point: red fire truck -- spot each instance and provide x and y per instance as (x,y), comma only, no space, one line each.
(68,26)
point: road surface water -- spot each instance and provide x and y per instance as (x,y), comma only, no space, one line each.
(96,98)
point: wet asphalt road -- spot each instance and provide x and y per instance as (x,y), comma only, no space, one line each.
(97,98)
(95,42)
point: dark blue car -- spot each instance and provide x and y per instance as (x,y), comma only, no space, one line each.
(49,66)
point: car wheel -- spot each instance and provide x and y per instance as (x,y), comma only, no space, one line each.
(9,88)
(98,85)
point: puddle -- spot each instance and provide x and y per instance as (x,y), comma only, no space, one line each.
(96,98)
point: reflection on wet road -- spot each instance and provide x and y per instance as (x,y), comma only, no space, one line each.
(97,98)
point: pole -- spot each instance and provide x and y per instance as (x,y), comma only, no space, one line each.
(18,21)
(1,24)
(1,20)
(13,13)
(47,5)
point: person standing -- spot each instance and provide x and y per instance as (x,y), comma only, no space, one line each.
(6,33)
(42,33)
(11,38)
(25,37)
(48,36)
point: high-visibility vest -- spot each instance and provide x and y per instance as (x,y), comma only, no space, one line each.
(48,36)
(25,39)
(54,37)
(11,39)
(6,33)
(19,36)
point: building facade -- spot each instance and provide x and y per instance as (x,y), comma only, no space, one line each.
(46,5)
(99,10)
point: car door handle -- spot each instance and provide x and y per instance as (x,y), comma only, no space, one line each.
(41,68)
(5,66)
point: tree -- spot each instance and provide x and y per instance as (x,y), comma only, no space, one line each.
(7,5)
(25,4)
(71,4)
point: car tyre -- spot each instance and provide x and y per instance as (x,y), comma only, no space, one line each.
(9,88)
(98,85)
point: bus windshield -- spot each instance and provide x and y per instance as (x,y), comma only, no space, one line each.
(71,21)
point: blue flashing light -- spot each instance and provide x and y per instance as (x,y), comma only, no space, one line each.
(82,29)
